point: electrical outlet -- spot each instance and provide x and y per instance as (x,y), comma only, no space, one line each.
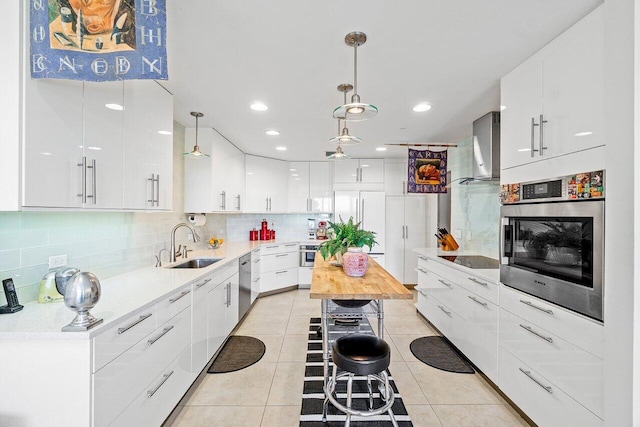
(57,261)
(457,233)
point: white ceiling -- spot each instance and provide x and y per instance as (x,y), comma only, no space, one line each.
(291,55)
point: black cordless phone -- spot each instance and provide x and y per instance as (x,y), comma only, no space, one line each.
(12,298)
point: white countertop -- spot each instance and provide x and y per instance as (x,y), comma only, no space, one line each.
(492,275)
(121,295)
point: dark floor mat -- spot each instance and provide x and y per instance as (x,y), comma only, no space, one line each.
(238,353)
(438,352)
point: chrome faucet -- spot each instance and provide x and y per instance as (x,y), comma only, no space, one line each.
(159,257)
(172,249)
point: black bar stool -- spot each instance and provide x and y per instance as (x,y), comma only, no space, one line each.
(362,355)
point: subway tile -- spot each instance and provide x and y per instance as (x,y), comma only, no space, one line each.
(9,221)
(22,239)
(9,260)
(34,256)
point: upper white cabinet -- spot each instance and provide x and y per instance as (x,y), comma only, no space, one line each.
(359,171)
(148,137)
(553,102)
(216,183)
(266,184)
(395,177)
(73,147)
(310,187)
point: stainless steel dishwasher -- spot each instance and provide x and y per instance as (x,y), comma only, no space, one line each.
(244,301)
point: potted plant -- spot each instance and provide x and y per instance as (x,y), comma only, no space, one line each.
(347,243)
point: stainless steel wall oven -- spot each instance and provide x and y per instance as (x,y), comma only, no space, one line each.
(553,246)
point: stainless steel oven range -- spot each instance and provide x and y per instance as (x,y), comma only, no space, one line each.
(552,241)
(307,255)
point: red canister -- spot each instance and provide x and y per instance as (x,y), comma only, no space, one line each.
(253,234)
(273,234)
(264,225)
(265,234)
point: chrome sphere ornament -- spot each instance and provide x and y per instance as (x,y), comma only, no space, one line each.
(82,294)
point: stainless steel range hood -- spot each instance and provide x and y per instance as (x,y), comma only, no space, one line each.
(486,147)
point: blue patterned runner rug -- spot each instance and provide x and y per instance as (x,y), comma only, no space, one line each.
(313,395)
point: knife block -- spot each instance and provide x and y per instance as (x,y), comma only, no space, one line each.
(448,243)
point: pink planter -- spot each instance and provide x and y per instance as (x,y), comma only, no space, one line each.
(355,262)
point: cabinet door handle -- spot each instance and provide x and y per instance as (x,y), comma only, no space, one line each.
(238,197)
(421,270)
(223,197)
(357,210)
(83,165)
(407,233)
(542,122)
(423,292)
(281,271)
(267,202)
(281,255)
(172,300)
(474,280)
(403,233)
(404,187)
(158,190)
(229,294)
(257,261)
(533,126)
(257,279)
(134,323)
(163,333)
(164,379)
(153,189)
(199,285)
(362,212)
(448,313)
(530,329)
(484,304)
(291,244)
(530,304)
(93,182)
(445,283)
(546,387)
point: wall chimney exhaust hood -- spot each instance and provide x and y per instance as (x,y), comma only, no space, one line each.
(486,147)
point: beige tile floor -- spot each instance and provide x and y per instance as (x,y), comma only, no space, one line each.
(269,393)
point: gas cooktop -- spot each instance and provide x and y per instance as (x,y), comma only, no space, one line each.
(472,261)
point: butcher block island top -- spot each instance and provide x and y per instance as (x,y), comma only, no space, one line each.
(330,282)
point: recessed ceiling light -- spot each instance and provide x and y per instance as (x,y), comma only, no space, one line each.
(249,173)
(46,154)
(364,166)
(281,148)
(272,132)
(420,108)
(381,149)
(294,174)
(259,106)
(583,134)
(116,107)
(503,107)
(292,170)
(164,132)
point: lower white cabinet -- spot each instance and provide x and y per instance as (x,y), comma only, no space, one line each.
(279,266)
(199,325)
(255,274)
(222,307)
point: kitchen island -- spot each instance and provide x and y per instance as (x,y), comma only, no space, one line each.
(329,282)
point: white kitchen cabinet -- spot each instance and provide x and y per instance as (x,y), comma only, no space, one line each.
(231,309)
(367,207)
(310,187)
(53,148)
(279,266)
(351,171)
(395,177)
(405,229)
(255,274)
(199,326)
(216,183)
(266,184)
(563,86)
(216,309)
(148,142)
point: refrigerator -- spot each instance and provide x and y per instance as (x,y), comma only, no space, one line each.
(367,207)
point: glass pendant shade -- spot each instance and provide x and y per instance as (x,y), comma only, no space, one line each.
(339,154)
(196,153)
(345,139)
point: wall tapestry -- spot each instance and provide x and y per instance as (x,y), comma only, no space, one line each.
(98,40)
(427,171)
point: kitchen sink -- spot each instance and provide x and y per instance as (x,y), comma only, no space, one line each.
(197,263)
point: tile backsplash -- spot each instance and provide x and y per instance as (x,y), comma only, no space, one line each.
(475,210)
(287,226)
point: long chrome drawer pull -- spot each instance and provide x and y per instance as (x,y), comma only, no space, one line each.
(423,258)
(135,322)
(257,261)
(448,313)
(256,279)
(291,244)
(172,300)
(198,286)
(280,272)
(271,247)
(420,270)
(165,377)
(280,255)
(308,251)
(474,280)
(546,387)
(163,333)
(528,328)
(530,304)
(444,283)
(422,291)
(475,300)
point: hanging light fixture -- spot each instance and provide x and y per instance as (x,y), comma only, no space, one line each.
(196,153)
(356,110)
(339,154)
(343,134)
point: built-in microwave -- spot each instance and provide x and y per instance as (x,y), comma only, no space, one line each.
(552,241)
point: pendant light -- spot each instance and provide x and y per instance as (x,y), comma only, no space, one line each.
(339,154)
(343,134)
(356,110)
(196,153)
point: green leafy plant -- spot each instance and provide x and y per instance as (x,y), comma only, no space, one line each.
(346,235)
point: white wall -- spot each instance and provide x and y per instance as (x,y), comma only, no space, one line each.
(621,306)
